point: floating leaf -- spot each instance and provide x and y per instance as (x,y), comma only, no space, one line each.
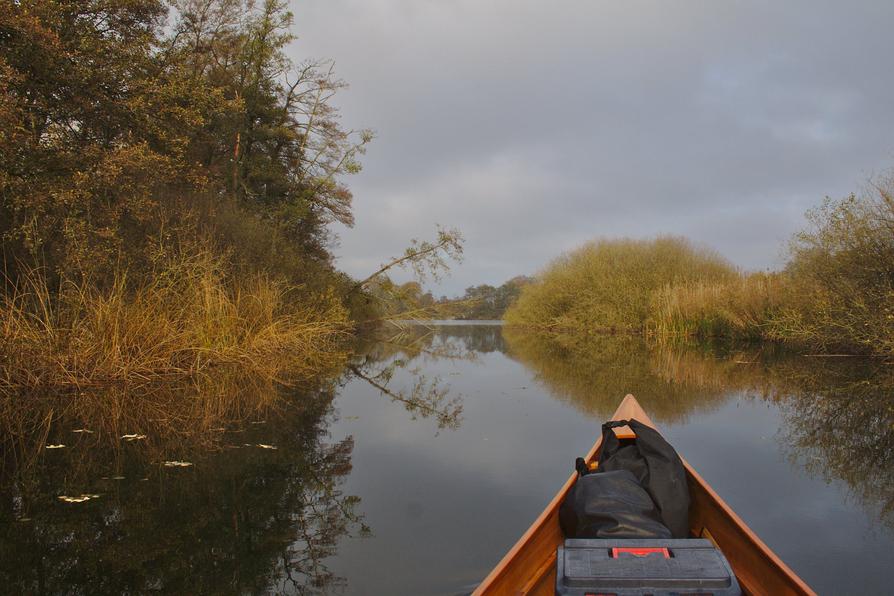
(177,464)
(59,446)
(79,499)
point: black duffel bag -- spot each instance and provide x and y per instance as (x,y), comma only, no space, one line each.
(649,500)
(610,505)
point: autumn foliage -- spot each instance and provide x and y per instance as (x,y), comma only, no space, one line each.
(135,136)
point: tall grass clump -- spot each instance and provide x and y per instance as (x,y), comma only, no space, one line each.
(836,294)
(182,320)
(743,307)
(608,285)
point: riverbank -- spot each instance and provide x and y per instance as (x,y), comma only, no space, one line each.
(161,214)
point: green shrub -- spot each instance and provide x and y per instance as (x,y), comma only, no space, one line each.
(608,285)
(842,266)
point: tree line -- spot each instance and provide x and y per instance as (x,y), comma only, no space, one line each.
(127,125)
(410,300)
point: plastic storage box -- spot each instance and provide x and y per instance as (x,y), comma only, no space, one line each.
(639,567)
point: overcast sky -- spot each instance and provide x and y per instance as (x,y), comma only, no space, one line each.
(536,125)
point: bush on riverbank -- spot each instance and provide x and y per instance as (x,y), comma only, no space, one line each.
(185,319)
(835,294)
(608,285)
(843,268)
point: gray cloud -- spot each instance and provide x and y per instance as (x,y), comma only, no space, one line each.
(534,126)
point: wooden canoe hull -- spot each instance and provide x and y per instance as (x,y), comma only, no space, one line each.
(529,566)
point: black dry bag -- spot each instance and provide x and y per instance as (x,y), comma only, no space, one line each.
(656,466)
(638,491)
(609,505)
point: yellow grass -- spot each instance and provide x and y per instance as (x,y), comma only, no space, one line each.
(742,307)
(185,320)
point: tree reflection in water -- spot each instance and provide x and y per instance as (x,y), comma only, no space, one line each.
(840,418)
(241,519)
(838,413)
(594,372)
(376,363)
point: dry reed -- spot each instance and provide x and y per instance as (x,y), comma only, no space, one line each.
(739,308)
(185,320)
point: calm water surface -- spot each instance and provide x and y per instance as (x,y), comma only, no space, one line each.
(422,464)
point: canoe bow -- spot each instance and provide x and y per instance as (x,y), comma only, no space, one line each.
(529,566)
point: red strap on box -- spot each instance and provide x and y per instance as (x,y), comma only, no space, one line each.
(640,552)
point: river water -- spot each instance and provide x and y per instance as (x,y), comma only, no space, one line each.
(416,468)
